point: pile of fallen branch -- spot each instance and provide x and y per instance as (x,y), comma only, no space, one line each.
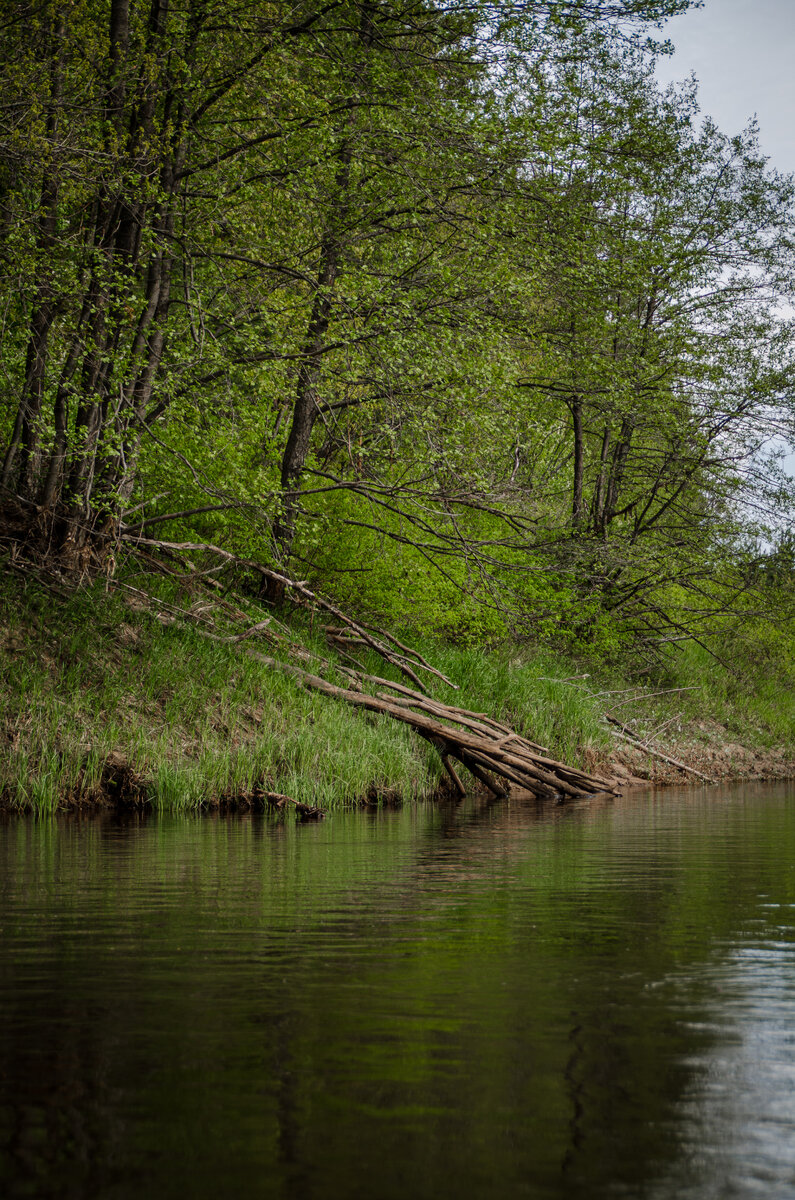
(497,756)
(492,752)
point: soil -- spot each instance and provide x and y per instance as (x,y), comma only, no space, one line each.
(707,748)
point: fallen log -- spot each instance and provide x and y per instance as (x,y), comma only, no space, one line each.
(521,766)
(499,746)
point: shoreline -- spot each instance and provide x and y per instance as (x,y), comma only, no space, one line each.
(105,705)
(722,760)
(123,791)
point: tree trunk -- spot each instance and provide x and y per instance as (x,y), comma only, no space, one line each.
(306,406)
(618,466)
(575,408)
(597,517)
(22,461)
(305,409)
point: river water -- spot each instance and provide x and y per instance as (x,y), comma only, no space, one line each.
(486,1000)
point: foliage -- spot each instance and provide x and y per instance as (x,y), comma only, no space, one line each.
(447,307)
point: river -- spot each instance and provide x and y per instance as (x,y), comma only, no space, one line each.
(476,1001)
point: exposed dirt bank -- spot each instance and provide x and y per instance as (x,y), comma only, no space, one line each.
(706,748)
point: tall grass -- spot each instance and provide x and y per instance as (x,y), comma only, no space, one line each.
(87,679)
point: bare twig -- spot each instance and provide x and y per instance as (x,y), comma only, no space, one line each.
(651,695)
(626,735)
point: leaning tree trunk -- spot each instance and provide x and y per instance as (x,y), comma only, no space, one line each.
(306,405)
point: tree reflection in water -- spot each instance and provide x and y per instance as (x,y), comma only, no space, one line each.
(480,1000)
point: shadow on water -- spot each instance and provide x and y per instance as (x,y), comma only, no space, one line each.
(480,999)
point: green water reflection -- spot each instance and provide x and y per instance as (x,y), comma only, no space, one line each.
(476,1001)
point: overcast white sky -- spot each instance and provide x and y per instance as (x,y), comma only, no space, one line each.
(743,55)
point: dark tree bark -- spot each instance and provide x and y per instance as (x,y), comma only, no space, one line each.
(306,406)
(22,461)
(575,408)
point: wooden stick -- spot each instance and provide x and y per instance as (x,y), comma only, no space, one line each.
(634,740)
(651,695)
(472,766)
(451,771)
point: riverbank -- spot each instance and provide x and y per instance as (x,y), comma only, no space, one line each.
(705,747)
(109,699)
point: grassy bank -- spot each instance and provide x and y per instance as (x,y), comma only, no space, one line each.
(98,695)
(102,698)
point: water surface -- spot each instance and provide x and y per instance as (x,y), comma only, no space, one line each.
(497,1000)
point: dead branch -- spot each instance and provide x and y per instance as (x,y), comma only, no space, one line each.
(651,695)
(404,662)
(626,735)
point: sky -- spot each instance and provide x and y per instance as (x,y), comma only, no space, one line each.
(743,55)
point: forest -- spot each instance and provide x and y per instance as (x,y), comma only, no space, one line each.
(447,313)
